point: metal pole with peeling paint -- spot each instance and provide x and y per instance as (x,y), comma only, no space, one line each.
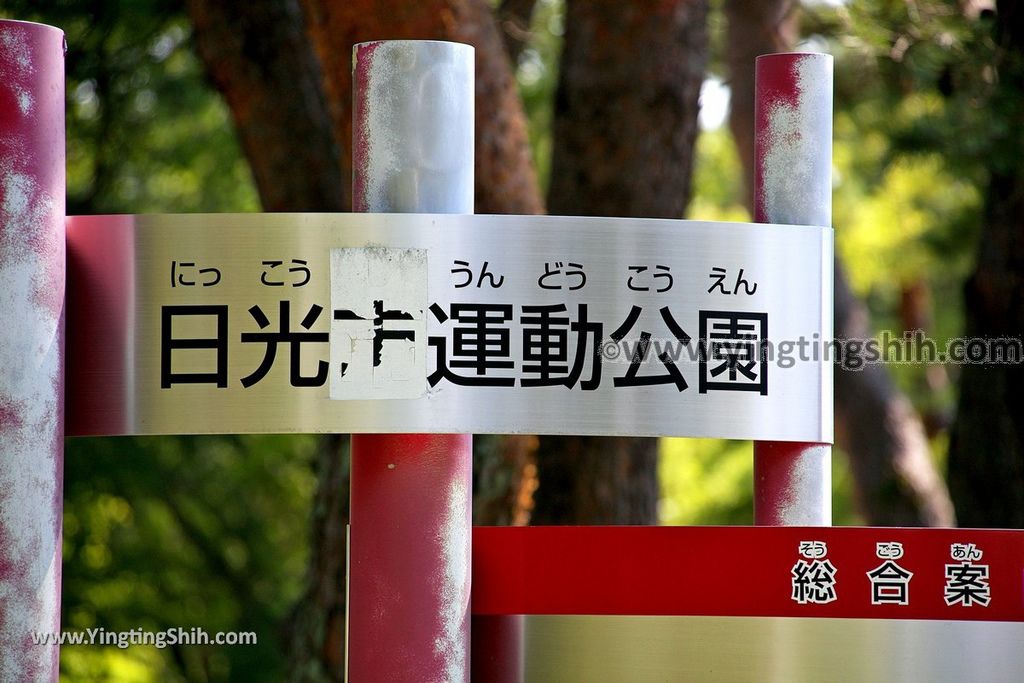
(793,185)
(32,188)
(410,508)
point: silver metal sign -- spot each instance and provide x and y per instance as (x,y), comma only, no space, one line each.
(234,323)
(599,649)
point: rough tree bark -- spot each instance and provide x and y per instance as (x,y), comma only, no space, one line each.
(625,123)
(257,54)
(625,119)
(986,456)
(897,483)
(504,479)
(315,628)
(505,178)
(505,467)
(753,28)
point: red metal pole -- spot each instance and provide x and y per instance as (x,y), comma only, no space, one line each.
(793,184)
(32,188)
(498,648)
(409,543)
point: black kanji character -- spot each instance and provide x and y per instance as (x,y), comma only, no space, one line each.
(890,583)
(813,582)
(480,342)
(546,347)
(168,343)
(673,375)
(733,353)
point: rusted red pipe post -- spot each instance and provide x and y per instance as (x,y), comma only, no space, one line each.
(32,188)
(409,543)
(793,185)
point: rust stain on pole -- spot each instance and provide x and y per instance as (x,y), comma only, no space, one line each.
(32,188)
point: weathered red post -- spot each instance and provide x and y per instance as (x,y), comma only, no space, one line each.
(793,184)
(32,188)
(409,544)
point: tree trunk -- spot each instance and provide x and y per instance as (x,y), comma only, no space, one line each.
(257,54)
(625,123)
(596,480)
(504,479)
(625,119)
(505,178)
(897,483)
(986,455)
(505,467)
(753,28)
(315,629)
(514,17)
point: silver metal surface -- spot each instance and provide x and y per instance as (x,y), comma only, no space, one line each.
(412,143)
(117,381)
(595,649)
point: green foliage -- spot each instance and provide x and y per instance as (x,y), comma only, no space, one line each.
(718,185)
(706,481)
(914,143)
(146,133)
(537,75)
(915,138)
(711,481)
(184,532)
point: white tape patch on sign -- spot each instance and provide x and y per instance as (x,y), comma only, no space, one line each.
(372,288)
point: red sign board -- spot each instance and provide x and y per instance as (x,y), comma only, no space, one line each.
(851,572)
